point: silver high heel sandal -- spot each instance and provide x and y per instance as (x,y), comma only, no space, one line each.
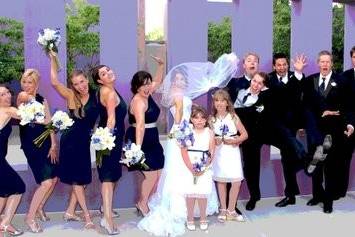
(42,216)
(69,217)
(5,229)
(104,224)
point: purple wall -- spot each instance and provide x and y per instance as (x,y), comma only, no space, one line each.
(45,14)
(349,33)
(311,30)
(13,9)
(118,40)
(186,41)
(218,10)
(252,29)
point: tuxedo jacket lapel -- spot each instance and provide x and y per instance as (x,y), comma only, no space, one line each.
(316,82)
(329,86)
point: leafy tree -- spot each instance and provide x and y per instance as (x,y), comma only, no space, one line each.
(219,38)
(155,35)
(338,37)
(11,49)
(82,35)
(282,26)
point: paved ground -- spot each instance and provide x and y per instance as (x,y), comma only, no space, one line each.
(265,221)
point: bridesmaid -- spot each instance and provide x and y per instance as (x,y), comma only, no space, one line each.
(11,185)
(74,154)
(42,161)
(143,115)
(113,111)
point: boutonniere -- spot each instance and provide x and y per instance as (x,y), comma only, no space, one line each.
(333,84)
(259,108)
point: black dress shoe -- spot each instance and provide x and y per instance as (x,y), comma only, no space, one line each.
(328,207)
(250,205)
(313,202)
(286,201)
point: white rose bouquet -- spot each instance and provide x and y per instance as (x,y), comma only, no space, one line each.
(59,122)
(31,112)
(133,155)
(49,40)
(103,142)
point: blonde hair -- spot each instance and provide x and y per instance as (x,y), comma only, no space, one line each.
(33,74)
(224,95)
(251,54)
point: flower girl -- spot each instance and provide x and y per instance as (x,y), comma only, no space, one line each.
(227,166)
(198,158)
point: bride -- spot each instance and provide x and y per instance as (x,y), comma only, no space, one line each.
(183,83)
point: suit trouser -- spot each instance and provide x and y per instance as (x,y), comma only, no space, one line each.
(292,155)
(344,170)
(251,166)
(333,170)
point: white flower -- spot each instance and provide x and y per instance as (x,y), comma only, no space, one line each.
(103,139)
(49,38)
(259,108)
(61,120)
(31,112)
(333,84)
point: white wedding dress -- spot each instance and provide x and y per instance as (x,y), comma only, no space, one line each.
(167,206)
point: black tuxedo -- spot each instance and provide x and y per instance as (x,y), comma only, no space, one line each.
(287,99)
(254,119)
(334,98)
(349,77)
(236,84)
(283,123)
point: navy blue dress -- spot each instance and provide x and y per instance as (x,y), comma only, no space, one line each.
(10,182)
(151,146)
(74,155)
(111,170)
(37,159)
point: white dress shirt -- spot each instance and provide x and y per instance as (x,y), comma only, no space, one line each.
(252,98)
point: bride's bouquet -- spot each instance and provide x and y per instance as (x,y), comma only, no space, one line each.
(31,112)
(103,142)
(60,122)
(133,155)
(200,163)
(183,134)
(49,40)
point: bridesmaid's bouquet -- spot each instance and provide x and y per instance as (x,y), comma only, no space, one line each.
(183,134)
(31,112)
(200,164)
(49,40)
(133,155)
(103,142)
(224,129)
(60,122)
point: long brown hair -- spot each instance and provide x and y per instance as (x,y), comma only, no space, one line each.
(198,109)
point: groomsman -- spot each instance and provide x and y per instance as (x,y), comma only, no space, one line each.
(252,105)
(250,66)
(251,158)
(286,89)
(349,77)
(325,96)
